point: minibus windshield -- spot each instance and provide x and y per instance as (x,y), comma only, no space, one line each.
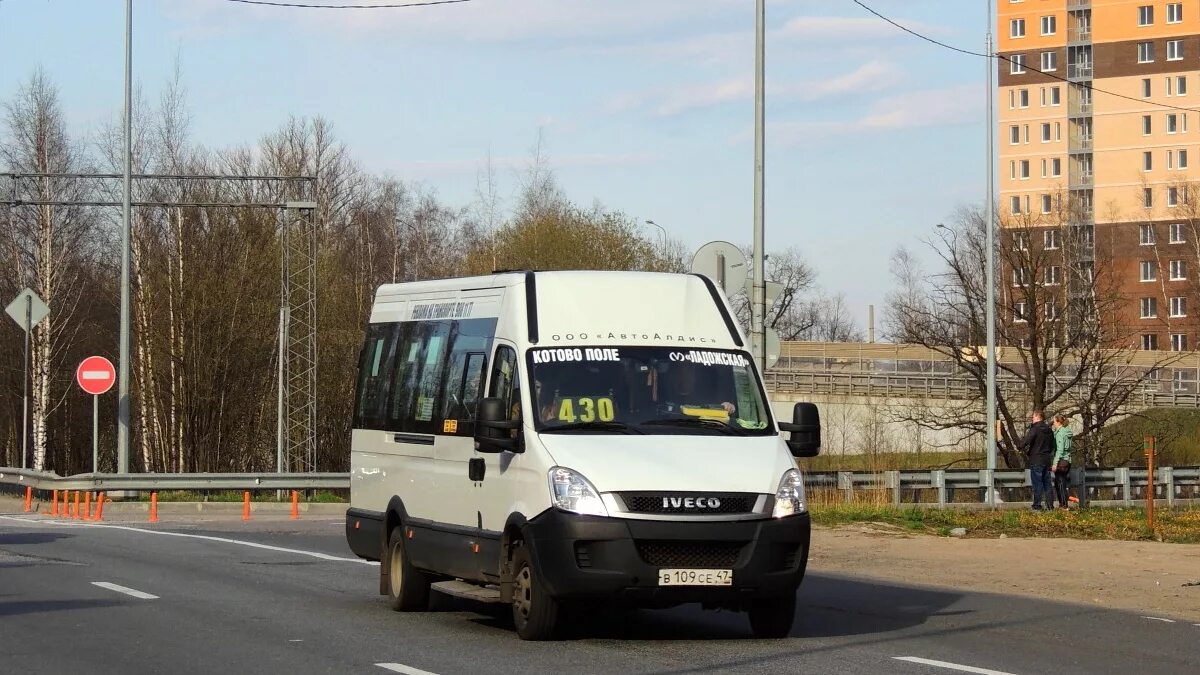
(647,390)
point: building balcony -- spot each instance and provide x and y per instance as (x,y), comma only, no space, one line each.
(1081,144)
(1079,109)
(1079,35)
(1079,71)
(1082,181)
(1073,5)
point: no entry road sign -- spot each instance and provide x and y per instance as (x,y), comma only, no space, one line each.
(96,375)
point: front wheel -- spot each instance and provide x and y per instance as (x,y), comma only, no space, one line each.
(408,587)
(772,619)
(535,613)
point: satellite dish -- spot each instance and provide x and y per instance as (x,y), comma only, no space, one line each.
(722,262)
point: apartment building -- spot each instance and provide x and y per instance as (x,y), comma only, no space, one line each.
(1099,145)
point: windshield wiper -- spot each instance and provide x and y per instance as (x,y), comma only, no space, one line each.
(697,422)
(619,427)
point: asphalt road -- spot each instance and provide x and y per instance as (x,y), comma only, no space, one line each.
(227,598)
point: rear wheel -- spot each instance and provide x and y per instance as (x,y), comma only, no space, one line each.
(535,613)
(772,619)
(408,587)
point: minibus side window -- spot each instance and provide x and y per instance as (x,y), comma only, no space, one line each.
(374,376)
(506,382)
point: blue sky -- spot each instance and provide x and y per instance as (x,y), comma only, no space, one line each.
(644,105)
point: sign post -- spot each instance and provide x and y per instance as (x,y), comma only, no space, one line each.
(96,376)
(28,310)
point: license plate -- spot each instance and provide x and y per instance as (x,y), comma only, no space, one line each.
(695,577)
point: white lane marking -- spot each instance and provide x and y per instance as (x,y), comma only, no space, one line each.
(401,668)
(124,589)
(951,666)
(251,544)
(1155,618)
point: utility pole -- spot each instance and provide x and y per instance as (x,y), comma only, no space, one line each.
(991,270)
(123,407)
(758,300)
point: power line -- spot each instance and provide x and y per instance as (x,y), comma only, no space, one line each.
(397,5)
(1001,57)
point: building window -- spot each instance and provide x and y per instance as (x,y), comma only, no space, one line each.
(1174,12)
(1021,241)
(1087,231)
(1015,206)
(1053,275)
(1047,204)
(1045,132)
(1147,161)
(1145,52)
(1173,123)
(1044,173)
(1145,17)
(1180,380)
(1174,50)
(1049,61)
(1012,99)
(1086,271)
(1020,276)
(1178,270)
(1049,25)
(1147,125)
(1056,167)
(1016,28)
(1016,64)
(1026,133)
(1148,198)
(1058,131)
(1178,307)
(1179,342)
(1014,135)
(1023,98)
(1170,160)
(1150,342)
(1146,237)
(1172,196)
(1177,236)
(1055,96)
(1183,159)
(1181,85)
(1149,271)
(1149,308)
(1145,88)
(1020,312)
(1012,169)
(1051,310)
(1024,169)
(1050,239)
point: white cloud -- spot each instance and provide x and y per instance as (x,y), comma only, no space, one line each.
(443,167)
(869,77)
(844,28)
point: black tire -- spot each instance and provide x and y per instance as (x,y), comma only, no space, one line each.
(408,587)
(535,613)
(773,619)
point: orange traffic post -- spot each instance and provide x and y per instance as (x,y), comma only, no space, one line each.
(246,505)
(100,506)
(54,504)
(75,509)
(28,498)
(87,506)
(295,505)
(154,507)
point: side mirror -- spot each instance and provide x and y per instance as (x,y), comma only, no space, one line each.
(806,431)
(494,431)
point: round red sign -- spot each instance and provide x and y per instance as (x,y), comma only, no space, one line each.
(96,375)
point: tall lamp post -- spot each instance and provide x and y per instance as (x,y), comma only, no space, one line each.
(991,272)
(663,241)
(123,408)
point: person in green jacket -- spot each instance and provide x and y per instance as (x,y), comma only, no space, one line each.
(1061,463)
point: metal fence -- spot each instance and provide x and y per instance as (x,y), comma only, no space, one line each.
(950,487)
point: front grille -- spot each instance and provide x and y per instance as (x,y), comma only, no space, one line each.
(653,502)
(690,554)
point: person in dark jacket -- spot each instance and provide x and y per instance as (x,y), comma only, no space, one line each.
(1039,448)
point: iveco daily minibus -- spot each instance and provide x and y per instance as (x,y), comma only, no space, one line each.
(550,438)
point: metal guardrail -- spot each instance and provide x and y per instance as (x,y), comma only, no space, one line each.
(1171,484)
(159,482)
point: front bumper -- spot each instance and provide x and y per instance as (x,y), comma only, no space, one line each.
(596,557)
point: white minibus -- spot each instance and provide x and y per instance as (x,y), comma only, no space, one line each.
(554,440)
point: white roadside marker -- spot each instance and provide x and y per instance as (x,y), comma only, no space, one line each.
(950,666)
(1155,618)
(125,590)
(401,668)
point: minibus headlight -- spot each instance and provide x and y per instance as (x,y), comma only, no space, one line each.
(572,492)
(789,498)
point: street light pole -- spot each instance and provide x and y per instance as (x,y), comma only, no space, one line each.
(663,241)
(758,308)
(991,272)
(126,239)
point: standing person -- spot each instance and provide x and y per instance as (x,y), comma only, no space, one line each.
(1038,445)
(1062,460)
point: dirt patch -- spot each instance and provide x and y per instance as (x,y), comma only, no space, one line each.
(1145,577)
